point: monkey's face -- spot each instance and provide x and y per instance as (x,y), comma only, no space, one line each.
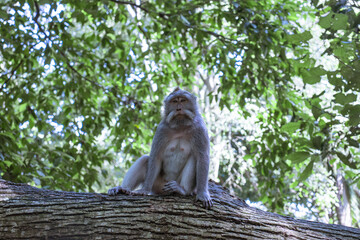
(179,111)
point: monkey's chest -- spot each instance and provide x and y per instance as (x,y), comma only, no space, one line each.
(176,155)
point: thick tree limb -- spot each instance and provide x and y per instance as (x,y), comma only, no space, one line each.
(27,212)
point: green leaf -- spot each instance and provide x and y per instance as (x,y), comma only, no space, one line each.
(340,21)
(325,22)
(344,99)
(354,115)
(3,14)
(22,107)
(334,21)
(313,75)
(334,80)
(299,37)
(8,163)
(9,135)
(316,141)
(67,111)
(346,160)
(298,157)
(307,172)
(291,127)
(343,54)
(316,111)
(353,142)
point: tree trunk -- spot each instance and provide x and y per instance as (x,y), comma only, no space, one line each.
(343,209)
(27,212)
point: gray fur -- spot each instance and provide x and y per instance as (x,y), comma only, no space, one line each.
(179,157)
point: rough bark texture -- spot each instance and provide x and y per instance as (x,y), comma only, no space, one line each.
(27,212)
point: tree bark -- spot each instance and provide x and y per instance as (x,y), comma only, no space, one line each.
(30,213)
(343,210)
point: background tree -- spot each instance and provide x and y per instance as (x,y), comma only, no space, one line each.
(82,84)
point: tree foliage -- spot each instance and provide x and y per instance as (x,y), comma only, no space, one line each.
(82,83)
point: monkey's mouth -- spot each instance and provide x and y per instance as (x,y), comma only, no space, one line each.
(180,115)
(184,114)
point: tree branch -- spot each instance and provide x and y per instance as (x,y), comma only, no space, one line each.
(166,16)
(160,14)
(68,215)
(346,65)
(77,72)
(12,74)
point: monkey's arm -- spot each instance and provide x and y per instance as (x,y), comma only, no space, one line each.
(155,158)
(202,166)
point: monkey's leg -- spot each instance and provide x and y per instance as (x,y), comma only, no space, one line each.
(187,180)
(133,178)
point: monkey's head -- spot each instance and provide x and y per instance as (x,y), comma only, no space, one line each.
(180,108)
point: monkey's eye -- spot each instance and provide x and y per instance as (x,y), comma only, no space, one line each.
(175,101)
(183,100)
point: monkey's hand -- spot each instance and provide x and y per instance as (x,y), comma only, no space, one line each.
(118,190)
(173,187)
(205,198)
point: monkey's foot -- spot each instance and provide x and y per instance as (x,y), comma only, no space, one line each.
(205,199)
(119,190)
(173,187)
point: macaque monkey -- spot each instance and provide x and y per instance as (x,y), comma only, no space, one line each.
(179,156)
